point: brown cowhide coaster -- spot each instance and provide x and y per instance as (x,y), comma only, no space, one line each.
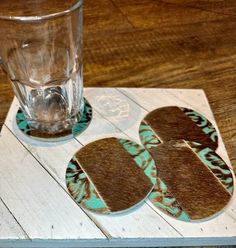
(176,123)
(110,175)
(193,182)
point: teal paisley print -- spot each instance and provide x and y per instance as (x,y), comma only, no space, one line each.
(215,163)
(79,127)
(164,200)
(147,136)
(22,122)
(203,123)
(82,190)
(84,120)
(142,158)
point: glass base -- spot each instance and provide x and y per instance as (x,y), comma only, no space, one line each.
(77,129)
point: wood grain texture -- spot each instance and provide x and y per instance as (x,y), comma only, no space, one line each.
(168,43)
(9,228)
(25,195)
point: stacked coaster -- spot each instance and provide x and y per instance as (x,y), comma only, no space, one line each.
(179,170)
(193,182)
(175,123)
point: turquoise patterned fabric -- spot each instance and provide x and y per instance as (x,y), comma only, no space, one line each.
(82,190)
(202,122)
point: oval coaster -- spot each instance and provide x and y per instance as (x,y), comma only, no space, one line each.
(110,175)
(80,126)
(176,123)
(193,182)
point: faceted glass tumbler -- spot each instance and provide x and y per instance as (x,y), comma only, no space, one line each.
(41,51)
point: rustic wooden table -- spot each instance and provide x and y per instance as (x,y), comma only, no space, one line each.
(161,44)
(169,43)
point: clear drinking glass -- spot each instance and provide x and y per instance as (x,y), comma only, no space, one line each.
(41,51)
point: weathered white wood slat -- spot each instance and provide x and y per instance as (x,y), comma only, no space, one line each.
(222,225)
(40,205)
(9,228)
(142,222)
(41,200)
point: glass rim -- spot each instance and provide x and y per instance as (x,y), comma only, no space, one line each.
(36,18)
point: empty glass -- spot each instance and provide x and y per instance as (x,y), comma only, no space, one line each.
(41,51)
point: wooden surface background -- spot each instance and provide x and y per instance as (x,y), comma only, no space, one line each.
(163,44)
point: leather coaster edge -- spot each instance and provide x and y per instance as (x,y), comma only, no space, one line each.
(100,206)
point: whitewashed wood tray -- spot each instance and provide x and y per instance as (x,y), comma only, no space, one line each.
(37,211)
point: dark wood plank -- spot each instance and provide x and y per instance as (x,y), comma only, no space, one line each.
(155,14)
(216,6)
(102,15)
(163,56)
(148,43)
(191,48)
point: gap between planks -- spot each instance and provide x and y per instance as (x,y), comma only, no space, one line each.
(106,234)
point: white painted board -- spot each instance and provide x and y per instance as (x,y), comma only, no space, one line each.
(43,211)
